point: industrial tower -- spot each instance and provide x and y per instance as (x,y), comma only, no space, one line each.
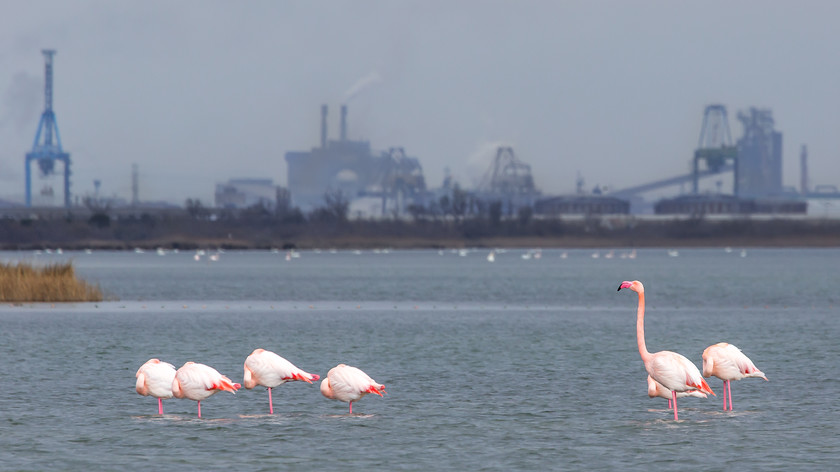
(715,146)
(46,152)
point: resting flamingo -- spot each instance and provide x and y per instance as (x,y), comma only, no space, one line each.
(348,384)
(656,389)
(672,370)
(270,370)
(199,381)
(155,378)
(728,363)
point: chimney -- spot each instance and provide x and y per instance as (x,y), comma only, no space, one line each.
(343,122)
(323,126)
(803,170)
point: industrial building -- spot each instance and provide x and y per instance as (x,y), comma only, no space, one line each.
(728,205)
(244,193)
(755,162)
(389,182)
(581,205)
(352,168)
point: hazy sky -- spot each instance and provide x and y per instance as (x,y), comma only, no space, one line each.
(197,92)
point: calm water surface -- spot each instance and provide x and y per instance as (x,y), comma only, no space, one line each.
(515,365)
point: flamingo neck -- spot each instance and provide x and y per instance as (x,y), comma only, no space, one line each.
(640,329)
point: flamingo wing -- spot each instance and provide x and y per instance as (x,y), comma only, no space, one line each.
(199,381)
(350,383)
(155,378)
(677,373)
(270,370)
(727,362)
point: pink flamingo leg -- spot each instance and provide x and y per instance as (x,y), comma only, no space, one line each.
(724,395)
(674,396)
(669,404)
(160,406)
(351,408)
(199,409)
(729,389)
(270,403)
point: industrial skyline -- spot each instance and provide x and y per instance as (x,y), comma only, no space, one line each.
(196,93)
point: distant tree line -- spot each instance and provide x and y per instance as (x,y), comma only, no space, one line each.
(456,219)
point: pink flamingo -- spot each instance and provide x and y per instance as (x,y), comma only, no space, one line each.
(199,381)
(270,370)
(672,370)
(155,378)
(728,363)
(656,389)
(349,384)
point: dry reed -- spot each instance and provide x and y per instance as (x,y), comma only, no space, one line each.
(23,282)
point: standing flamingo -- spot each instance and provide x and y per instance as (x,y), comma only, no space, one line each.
(672,370)
(155,378)
(199,381)
(270,370)
(727,362)
(656,389)
(349,384)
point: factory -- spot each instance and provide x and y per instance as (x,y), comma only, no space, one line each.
(352,168)
(754,163)
(392,183)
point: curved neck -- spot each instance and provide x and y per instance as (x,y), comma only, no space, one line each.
(640,328)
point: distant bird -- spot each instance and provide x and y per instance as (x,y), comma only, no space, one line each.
(727,362)
(672,370)
(270,370)
(198,381)
(349,384)
(656,389)
(491,257)
(155,378)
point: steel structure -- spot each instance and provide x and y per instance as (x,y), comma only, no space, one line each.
(401,179)
(508,175)
(715,147)
(47,151)
(509,181)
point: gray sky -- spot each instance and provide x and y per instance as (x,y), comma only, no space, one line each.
(196,92)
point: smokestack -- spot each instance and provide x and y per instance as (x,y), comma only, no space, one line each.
(323,126)
(803,169)
(343,122)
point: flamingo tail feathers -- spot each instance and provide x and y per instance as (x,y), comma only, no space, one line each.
(226,385)
(703,387)
(379,391)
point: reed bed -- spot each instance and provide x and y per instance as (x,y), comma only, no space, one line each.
(23,282)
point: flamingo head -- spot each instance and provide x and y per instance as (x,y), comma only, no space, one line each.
(326,389)
(635,286)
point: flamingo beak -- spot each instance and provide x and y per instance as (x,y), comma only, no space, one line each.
(624,284)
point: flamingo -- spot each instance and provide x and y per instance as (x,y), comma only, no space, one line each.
(155,378)
(348,384)
(727,362)
(656,389)
(270,370)
(199,381)
(674,371)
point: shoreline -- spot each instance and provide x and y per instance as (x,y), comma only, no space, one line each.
(564,242)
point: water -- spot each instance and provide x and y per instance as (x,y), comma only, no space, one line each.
(515,365)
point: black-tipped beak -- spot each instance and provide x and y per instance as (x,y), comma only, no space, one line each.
(619,288)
